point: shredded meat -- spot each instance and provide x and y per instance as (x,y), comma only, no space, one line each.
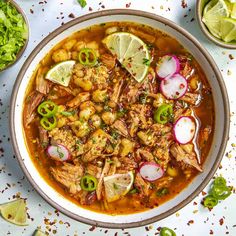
(108,60)
(68,175)
(184,155)
(32,102)
(120,127)
(142,186)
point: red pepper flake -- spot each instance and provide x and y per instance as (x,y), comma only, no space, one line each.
(211,231)
(190,222)
(194,203)
(92,228)
(71,15)
(203,193)
(231,57)
(221,221)
(184,4)
(90,8)
(128,5)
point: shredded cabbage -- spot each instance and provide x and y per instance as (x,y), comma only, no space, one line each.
(13,33)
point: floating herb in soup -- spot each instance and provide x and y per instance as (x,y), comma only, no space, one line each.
(119,118)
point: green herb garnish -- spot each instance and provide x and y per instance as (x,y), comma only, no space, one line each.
(82,3)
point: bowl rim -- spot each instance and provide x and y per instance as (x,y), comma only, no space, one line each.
(20,53)
(206,31)
(111,13)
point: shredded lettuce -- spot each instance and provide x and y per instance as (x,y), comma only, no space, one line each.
(13,33)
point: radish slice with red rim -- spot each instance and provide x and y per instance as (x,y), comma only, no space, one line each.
(174,87)
(58,152)
(151,171)
(184,129)
(167,66)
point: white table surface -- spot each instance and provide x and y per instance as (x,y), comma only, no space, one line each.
(192,220)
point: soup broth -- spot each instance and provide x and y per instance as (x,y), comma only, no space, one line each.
(106,141)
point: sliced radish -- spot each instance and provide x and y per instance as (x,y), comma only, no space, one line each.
(58,152)
(167,66)
(151,171)
(174,87)
(184,129)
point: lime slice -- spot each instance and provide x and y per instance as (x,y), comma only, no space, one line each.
(131,52)
(118,185)
(228,29)
(233,13)
(213,12)
(39,233)
(61,73)
(14,212)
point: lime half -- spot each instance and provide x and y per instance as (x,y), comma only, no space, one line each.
(39,233)
(118,185)
(213,12)
(61,73)
(228,29)
(14,212)
(131,52)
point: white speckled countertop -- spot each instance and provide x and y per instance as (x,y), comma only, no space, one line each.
(194,220)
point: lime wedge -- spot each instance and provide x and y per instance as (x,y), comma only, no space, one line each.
(131,52)
(213,12)
(233,13)
(228,29)
(39,233)
(14,212)
(118,185)
(61,73)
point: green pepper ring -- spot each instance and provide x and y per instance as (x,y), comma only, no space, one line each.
(88,183)
(220,192)
(47,124)
(220,181)
(87,52)
(162,113)
(167,232)
(210,201)
(44,107)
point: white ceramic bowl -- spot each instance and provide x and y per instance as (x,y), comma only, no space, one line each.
(215,153)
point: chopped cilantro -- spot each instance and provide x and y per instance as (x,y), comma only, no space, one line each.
(146,62)
(82,3)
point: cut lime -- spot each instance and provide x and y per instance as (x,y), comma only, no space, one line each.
(131,52)
(61,73)
(14,212)
(233,13)
(118,185)
(213,12)
(228,29)
(39,233)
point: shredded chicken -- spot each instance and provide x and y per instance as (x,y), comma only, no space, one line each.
(117,90)
(120,127)
(68,175)
(100,181)
(183,155)
(142,186)
(192,98)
